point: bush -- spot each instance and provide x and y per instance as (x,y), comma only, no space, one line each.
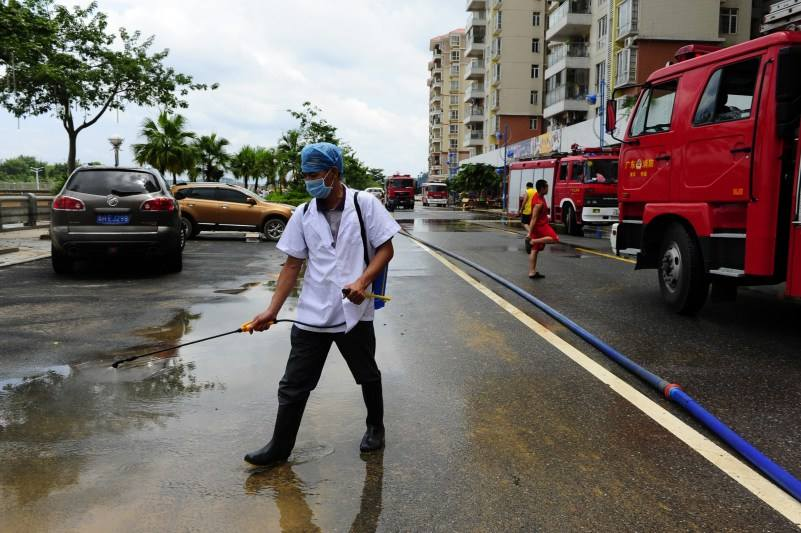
(289,197)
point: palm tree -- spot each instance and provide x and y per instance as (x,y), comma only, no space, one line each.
(166,144)
(266,165)
(213,159)
(243,164)
(289,146)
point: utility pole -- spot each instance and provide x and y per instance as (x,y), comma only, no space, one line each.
(37,170)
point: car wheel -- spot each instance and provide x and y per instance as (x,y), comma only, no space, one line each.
(682,278)
(274,228)
(62,264)
(189,227)
(571,221)
(175,261)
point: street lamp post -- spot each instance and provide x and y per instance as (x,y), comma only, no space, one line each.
(505,137)
(277,176)
(37,170)
(116,142)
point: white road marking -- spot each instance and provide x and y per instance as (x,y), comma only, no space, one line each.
(739,471)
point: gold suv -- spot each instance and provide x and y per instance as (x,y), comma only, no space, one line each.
(222,207)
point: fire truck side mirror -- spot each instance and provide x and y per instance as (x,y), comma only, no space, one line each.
(611,116)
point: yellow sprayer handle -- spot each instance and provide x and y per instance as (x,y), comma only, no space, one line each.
(378,297)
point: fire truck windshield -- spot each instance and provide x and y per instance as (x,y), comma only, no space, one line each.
(600,171)
(401,183)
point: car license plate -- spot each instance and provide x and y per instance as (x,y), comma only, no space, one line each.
(596,210)
(115,220)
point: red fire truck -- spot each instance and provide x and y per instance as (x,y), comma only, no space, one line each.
(399,192)
(709,171)
(583,186)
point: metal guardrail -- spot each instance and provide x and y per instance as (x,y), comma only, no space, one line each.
(26,209)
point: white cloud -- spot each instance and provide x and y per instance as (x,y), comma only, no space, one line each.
(362,61)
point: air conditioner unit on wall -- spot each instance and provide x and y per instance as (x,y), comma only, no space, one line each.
(630,42)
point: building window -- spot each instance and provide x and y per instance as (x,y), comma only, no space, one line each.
(603,29)
(600,76)
(496,72)
(455,69)
(728,20)
(534,98)
(455,84)
(454,144)
(455,41)
(535,71)
(496,98)
(454,99)
(455,55)
(499,20)
(454,114)
(535,46)
(496,46)
(535,19)
(533,123)
(453,129)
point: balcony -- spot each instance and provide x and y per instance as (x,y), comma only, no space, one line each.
(475,46)
(435,83)
(474,138)
(572,18)
(436,113)
(435,67)
(475,70)
(474,92)
(476,5)
(477,18)
(474,114)
(436,98)
(566,98)
(567,55)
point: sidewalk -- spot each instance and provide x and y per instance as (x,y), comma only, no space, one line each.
(21,246)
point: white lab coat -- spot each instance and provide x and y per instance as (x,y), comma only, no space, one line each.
(328,268)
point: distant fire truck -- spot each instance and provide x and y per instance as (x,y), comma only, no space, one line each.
(709,168)
(583,186)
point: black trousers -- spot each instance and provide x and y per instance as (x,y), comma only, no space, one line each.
(309,352)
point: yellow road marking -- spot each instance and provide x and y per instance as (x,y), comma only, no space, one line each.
(608,256)
(732,466)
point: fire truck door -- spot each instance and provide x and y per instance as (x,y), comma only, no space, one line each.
(646,163)
(794,266)
(716,166)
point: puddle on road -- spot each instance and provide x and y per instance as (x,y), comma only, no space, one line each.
(444,225)
(94,448)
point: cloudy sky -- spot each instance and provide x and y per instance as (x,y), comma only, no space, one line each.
(364,62)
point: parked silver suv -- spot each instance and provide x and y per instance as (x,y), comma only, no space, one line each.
(115,211)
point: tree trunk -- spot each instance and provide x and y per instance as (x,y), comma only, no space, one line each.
(255,183)
(71,159)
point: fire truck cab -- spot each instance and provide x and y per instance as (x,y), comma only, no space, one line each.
(709,173)
(583,186)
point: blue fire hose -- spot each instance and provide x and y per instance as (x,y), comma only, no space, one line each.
(671,391)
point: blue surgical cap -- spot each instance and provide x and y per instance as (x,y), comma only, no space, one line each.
(318,157)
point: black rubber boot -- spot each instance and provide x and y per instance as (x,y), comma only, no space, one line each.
(287,423)
(374,400)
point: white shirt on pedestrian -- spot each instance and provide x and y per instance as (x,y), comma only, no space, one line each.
(331,265)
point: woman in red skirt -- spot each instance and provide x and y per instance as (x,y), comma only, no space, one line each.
(541,231)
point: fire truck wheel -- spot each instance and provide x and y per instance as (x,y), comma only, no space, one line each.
(682,278)
(571,222)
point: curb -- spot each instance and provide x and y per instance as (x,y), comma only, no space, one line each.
(21,261)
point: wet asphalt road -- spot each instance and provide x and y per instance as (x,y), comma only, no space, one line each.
(489,428)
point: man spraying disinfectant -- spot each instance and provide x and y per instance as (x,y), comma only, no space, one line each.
(345,239)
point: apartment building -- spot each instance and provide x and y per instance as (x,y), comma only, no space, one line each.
(504,92)
(446,105)
(607,44)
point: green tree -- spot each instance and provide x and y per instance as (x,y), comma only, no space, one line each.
(243,164)
(19,168)
(289,146)
(167,146)
(67,63)
(313,129)
(476,178)
(266,166)
(213,158)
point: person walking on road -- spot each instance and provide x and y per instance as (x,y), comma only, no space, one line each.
(525,206)
(335,234)
(541,232)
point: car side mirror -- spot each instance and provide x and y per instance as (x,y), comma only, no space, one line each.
(252,201)
(611,116)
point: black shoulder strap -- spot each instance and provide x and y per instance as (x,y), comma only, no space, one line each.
(306,207)
(361,227)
